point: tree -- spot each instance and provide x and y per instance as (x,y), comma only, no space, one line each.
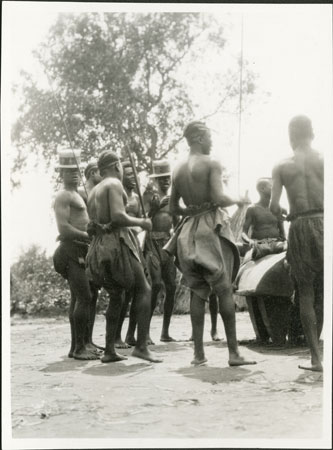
(116,79)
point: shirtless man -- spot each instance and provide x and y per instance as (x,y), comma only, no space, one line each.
(302,175)
(133,209)
(258,216)
(161,265)
(207,255)
(93,177)
(113,260)
(69,258)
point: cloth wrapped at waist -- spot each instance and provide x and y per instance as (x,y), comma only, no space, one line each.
(67,250)
(110,255)
(318,212)
(305,252)
(153,250)
(205,250)
(268,246)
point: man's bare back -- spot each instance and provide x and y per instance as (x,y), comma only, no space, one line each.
(302,175)
(198,180)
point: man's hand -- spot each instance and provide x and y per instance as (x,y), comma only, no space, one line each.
(155,202)
(165,201)
(146,224)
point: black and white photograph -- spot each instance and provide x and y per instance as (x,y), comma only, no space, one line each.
(166,257)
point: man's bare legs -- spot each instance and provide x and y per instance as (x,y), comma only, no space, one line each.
(71,322)
(213,309)
(197,311)
(309,323)
(112,318)
(119,342)
(318,286)
(228,314)
(91,321)
(169,278)
(156,287)
(79,310)
(142,298)
(130,339)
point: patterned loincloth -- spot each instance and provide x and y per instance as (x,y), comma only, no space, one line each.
(205,251)
(305,252)
(110,256)
(69,250)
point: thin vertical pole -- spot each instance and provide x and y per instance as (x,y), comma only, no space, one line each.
(240,107)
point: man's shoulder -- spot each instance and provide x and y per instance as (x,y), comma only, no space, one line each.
(64,195)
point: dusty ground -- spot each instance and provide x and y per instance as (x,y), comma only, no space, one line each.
(53,396)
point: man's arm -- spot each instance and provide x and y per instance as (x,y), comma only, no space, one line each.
(248,222)
(62,209)
(216,188)
(175,208)
(118,214)
(274,204)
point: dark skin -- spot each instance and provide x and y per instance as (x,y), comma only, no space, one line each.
(106,203)
(302,176)
(196,181)
(93,179)
(72,220)
(163,221)
(132,209)
(258,216)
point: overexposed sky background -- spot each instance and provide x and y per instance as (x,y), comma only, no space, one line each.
(289,46)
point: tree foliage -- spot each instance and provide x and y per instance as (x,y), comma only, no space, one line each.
(116,79)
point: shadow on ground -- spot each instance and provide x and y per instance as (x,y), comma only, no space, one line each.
(216,375)
(117,369)
(66,365)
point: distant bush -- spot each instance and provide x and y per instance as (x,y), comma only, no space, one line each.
(37,289)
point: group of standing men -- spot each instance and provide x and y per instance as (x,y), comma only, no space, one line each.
(99,246)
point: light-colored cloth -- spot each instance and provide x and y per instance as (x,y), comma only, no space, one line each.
(266,276)
(205,251)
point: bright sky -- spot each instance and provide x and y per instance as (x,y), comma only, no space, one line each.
(289,46)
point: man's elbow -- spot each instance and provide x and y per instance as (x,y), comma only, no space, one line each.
(274,208)
(119,219)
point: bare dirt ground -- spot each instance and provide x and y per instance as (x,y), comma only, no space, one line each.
(57,397)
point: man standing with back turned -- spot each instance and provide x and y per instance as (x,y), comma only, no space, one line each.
(206,253)
(303,177)
(113,259)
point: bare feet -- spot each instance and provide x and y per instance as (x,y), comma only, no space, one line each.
(98,346)
(85,355)
(149,341)
(167,338)
(199,362)
(237,360)
(70,354)
(94,349)
(112,357)
(121,344)
(314,367)
(145,354)
(215,336)
(190,339)
(131,341)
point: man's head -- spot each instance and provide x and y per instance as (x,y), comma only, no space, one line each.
(162,174)
(91,172)
(69,164)
(198,135)
(264,187)
(109,164)
(300,131)
(128,175)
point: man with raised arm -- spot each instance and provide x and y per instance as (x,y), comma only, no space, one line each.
(113,260)
(206,253)
(69,258)
(302,175)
